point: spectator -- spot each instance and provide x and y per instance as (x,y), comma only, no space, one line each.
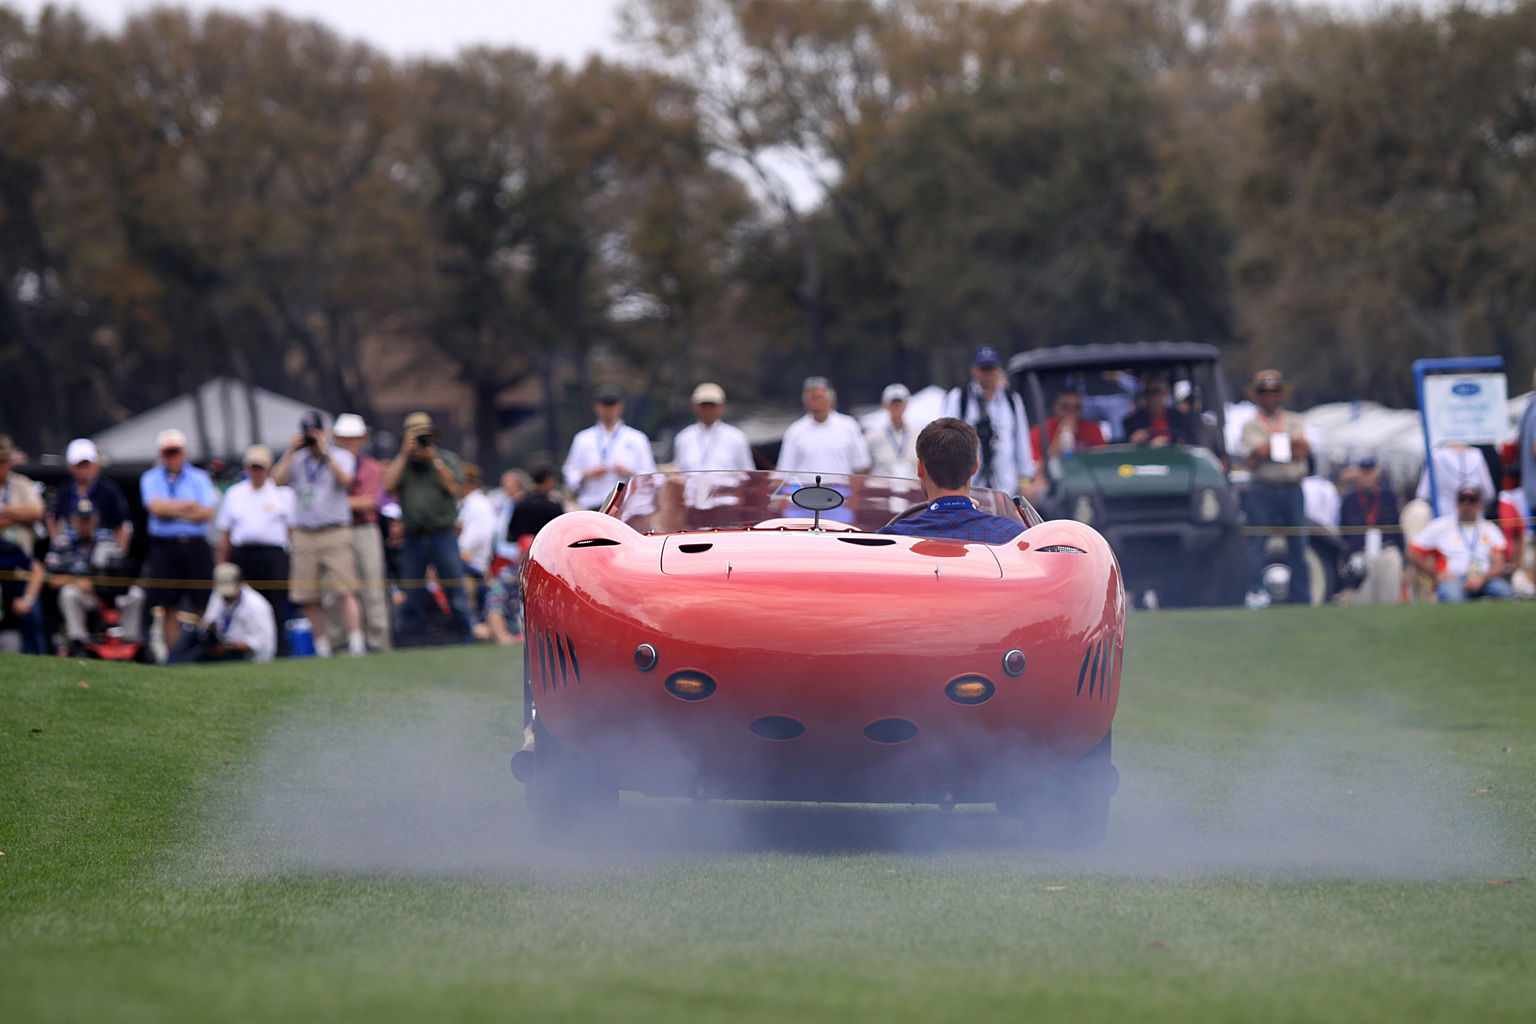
(711,443)
(254,521)
(947,459)
(1526,439)
(1066,430)
(1275,450)
(1463,552)
(321,474)
(823,440)
(180,500)
(238,625)
(1154,422)
(1373,536)
(21,507)
(87,482)
(606,452)
(21,581)
(1456,466)
(893,443)
(426,480)
(365,498)
(514,485)
(996,411)
(477,533)
(83,549)
(535,509)
(1515,521)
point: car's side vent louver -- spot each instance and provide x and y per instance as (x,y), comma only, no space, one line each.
(1098,669)
(557,653)
(594,542)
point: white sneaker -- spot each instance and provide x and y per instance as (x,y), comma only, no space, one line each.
(356,645)
(322,647)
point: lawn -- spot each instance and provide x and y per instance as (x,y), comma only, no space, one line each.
(1326,814)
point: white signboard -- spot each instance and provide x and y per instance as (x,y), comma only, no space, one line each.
(1465,408)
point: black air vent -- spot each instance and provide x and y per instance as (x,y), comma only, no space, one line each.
(594,542)
(1063,549)
(868,542)
(693,549)
(890,730)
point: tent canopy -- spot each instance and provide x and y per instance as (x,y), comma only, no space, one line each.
(221,419)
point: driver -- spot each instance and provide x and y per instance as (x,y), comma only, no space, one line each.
(946,461)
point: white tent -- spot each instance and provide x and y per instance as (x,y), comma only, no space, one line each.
(221,419)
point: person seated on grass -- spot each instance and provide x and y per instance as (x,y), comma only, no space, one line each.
(238,625)
(81,550)
(1463,552)
(946,461)
(21,580)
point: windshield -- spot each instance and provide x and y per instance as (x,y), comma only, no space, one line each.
(1109,395)
(728,500)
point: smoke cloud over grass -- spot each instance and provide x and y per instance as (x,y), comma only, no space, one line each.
(423,788)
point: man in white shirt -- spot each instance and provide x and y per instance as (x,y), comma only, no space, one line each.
(1456,466)
(606,452)
(253,522)
(1463,552)
(823,440)
(997,413)
(237,625)
(711,443)
(893,444)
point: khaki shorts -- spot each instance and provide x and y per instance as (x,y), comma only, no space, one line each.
(321,555)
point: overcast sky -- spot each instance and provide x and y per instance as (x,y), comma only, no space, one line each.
(568,29)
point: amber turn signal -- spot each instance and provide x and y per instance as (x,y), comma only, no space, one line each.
(690,685)
(969,690)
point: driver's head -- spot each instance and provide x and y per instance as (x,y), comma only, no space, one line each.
(948,448)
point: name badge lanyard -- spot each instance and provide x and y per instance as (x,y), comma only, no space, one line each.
(1472,543)
(897,447)
(229,616)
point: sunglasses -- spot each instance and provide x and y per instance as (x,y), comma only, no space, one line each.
(170,451)
(1269,391)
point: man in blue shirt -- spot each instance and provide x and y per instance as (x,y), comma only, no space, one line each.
(180,500)
(946,461)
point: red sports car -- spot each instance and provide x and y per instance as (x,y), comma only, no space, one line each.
(750,636)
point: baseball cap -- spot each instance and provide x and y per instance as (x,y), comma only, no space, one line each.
(1367,461)
(7,450)
(81,449)
(894,393)
(83,508)
(419,423)
(608,394)
(257,455)
(986,357)
(170,438)
(350,424)
(709,394)
(311,421)
(226,579)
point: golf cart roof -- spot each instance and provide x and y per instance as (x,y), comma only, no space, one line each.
(1113,356)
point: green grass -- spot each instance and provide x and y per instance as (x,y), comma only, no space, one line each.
(1314,805)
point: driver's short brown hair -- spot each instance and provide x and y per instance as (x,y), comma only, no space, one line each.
(948,448)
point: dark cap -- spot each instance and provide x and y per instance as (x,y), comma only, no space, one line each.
(986,357)
(311,421)
(608,394)
(1367,461)
(1469,491)
(83,508)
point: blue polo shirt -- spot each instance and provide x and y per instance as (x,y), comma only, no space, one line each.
(191,482)
(953,516)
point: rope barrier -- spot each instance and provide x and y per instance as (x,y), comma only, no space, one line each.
(154,584)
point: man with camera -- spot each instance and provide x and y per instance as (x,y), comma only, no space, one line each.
(1002,428)
(427,479)
(320,475)
(238,625)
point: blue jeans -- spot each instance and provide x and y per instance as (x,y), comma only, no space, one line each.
(439,549)
(1453,591)
(1280,505)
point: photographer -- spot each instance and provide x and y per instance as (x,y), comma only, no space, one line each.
(320,475)
(426,479)
(238,625)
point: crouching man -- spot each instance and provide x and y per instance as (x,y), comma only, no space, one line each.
(80,551)
(238,625)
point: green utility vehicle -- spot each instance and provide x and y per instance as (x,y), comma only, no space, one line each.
(1165,504)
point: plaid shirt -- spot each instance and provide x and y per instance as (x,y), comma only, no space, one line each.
(954,516)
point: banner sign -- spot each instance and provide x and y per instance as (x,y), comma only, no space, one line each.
(1465,408)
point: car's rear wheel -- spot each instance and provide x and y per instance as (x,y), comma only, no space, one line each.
(565,793)
(1071,807)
